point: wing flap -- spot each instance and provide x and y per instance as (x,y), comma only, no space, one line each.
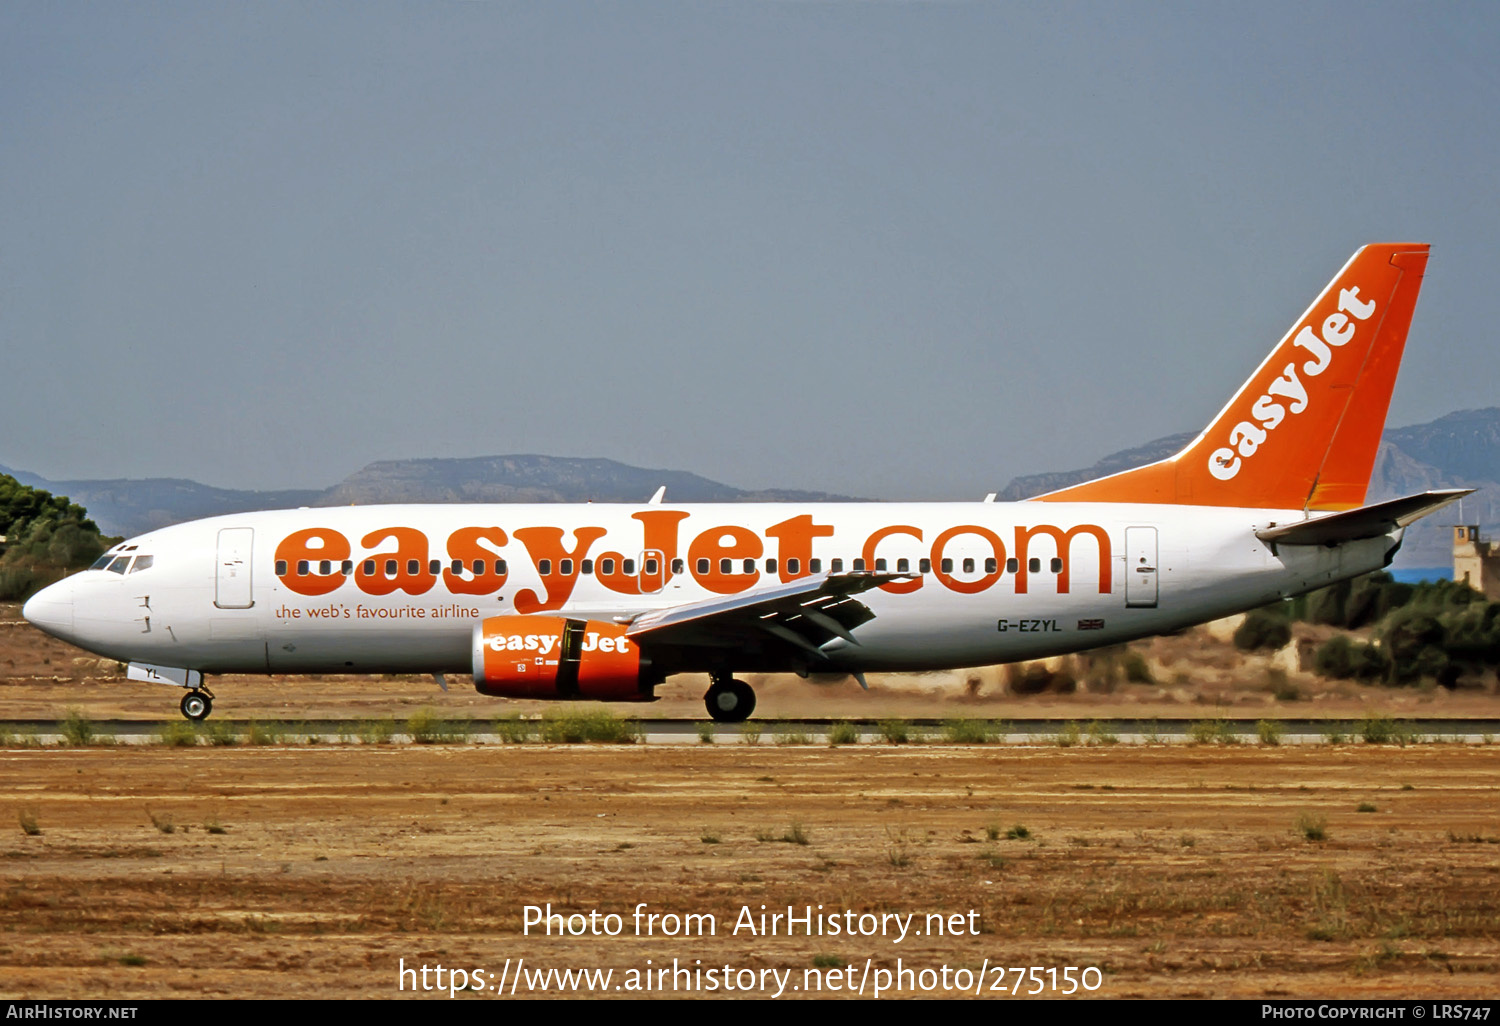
(806,614)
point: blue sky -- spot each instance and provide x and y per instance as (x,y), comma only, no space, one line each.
(892,250)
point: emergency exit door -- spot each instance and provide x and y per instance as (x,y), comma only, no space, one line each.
(653,571)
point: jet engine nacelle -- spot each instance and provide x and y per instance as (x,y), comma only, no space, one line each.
(553,657)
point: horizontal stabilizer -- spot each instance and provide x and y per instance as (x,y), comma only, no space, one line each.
(1364,522)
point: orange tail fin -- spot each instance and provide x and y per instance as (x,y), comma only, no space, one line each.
(1302,432)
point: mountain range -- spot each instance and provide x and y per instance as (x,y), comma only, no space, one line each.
(127,506)
(1460,450)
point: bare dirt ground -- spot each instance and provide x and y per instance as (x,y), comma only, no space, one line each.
(315,870)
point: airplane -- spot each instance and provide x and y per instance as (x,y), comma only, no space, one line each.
(605,601)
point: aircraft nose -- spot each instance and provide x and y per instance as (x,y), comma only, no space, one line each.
(51,609)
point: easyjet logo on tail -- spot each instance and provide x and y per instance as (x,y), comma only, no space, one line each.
(1331,376)
(1246,437)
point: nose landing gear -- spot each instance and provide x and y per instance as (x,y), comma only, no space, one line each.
(197,704)
(730,701)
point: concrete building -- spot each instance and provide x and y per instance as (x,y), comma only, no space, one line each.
(1476,561)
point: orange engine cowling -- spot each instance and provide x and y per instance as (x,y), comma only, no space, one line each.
(553,657)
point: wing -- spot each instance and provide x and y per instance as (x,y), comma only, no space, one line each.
(805,614)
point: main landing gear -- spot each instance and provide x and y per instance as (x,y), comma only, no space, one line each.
(197,704)
(729,701)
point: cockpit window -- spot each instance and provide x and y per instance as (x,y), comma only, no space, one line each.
(118,561)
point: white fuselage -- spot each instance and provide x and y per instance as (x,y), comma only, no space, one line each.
(991,583)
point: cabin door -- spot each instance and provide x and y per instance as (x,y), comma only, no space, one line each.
(233,587)
(1140,567)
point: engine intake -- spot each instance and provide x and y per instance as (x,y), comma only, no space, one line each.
(554,657)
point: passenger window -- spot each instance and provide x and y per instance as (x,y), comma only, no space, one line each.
(1012,565)
(880,566)
(749,566)
(703,566)
(565,567)
(606,567)
(630,566)
(587,566)
(947,566)
(793,567)
(413,567)
(457,567)
(677,566)
(837,566)
(390,568)
(814,566)
(435,567)
(1034,565)
(968,566)
(859,565)
(369,568)
(325,567)
(280,568)
(544,567)
(348,568)
(991,565)
(903,566)
(1056,565)
(924,566)
(651,568)
(477,568)
(301,568)
(770,566)
(726,565)
(499,568)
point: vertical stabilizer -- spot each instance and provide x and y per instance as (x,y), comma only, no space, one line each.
(1302,432)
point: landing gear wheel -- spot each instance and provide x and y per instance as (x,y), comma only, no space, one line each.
(196,706)
(730,701)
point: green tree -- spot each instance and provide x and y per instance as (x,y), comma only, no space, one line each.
(47,536)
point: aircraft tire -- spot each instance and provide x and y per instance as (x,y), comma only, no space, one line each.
(730,703)
(196,706)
